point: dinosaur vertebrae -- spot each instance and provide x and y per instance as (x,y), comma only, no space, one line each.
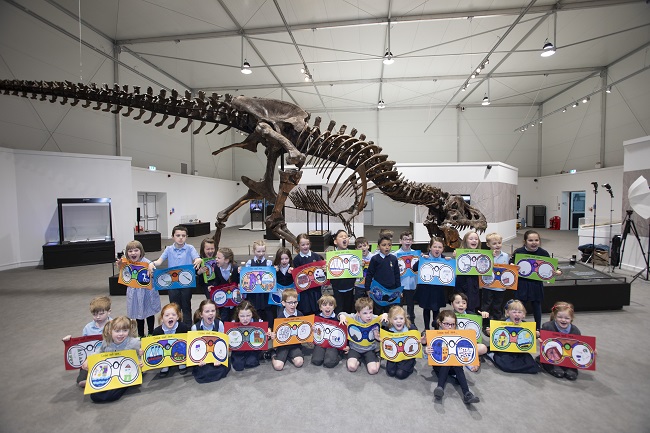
(211,109)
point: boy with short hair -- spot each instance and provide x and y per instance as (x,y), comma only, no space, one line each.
(327,357)
(383,267)
(358,353)
(409,282)
(292,352)
(100,308)
(178,254)
(362,244)
(493,297)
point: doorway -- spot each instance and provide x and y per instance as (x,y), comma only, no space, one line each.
(148,206)
(576,208)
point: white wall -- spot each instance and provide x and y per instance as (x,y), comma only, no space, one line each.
(9,234)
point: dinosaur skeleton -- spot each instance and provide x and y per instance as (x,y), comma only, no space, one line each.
(280,127)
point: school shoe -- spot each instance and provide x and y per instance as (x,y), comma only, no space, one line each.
(557,372)
(164,372)
(182,369)
(439,392)
(571,374)
(470,398)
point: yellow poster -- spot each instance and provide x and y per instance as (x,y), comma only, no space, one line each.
(400,346)
(293,330)
(112,370)
(452,347)
(508,337)
(207,346)
(161,351)
(364,334)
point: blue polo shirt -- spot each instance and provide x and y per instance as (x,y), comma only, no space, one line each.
(179,256)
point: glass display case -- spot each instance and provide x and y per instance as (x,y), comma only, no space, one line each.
(85,219)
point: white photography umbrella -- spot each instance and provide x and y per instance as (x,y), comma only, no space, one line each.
(639,196)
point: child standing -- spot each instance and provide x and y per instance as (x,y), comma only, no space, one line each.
(328,357)
(493,297)
(398,321)
(308,298)
(431,298)
(343,288)
(358,353)
(293,352)
(205,319)
(260,300)
(409,282)
(561,321)
(362,244)
(468,284)
(384,267)
(141,303)
(283,266)
(514,362)
(118,334)
(245,314)
(100,309)
(447,321)
(225,273)
(207,251)
(527,289)
(169,319)
(180,254)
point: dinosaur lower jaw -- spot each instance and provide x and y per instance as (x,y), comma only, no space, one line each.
(478,226)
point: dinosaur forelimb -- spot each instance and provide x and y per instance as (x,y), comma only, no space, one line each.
(223,216)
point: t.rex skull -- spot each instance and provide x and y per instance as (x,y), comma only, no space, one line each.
(461,216)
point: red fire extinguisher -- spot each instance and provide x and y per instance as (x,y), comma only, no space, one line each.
(554,223)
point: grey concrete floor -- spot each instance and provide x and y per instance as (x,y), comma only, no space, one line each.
(38,307)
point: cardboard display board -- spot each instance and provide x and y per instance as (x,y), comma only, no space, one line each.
(211,264)
(364,334)
(78,349)
(383,296)
(330,334)
(508,337)
(112,370)
(160,351)
(135,275)
(472,322)
(437,271)
(311,275)
(474,262)
(539,268)
(567,350)
(178,277)
(400,346)
(452,347)
(344,264)
(226,295)
(293,330)
(247,337)
(275,297)
(407,261)
(257,279)
(207,346)
(503,277)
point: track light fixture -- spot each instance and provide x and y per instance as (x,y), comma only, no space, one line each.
(585,99)
(609,89)
(246,68)
(575,104)
(564,110)
(308,77)
(381,104)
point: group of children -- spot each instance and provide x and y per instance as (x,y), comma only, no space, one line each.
(348,294)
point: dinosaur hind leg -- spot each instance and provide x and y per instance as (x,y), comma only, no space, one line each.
(223,216)
(288,181)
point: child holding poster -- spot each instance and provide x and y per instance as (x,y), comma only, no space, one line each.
(493,297)
(398,321)
(100,309)
(141,303)
(225,273)
(431,298)
(207,251)
(527,289)
(447,321)
(409,282)
(205,319)
(384,267)
(357,352)
(511,362)
(119,334)
(343,288)
(468,284)
(244,314)
(561,321)
(171,322)
(459,304)
(292,352)
(260,300)
(362,244)
(328,357)
(308,303)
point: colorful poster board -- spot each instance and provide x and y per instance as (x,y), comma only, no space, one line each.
(77,349)
(329,333)
(112,370)
(247,337)
(503,277)
(508,337)
(211,264)
(400,346)
(344,264)
(407,261)
(539,268)
(226,295)
(160,351)
(452,347)
(206,346)
(293,330)
(177,277)
(364,334)
(567,350)
(257,279)
(472,322)
(437,271)
(361,281)
(474,262)
(135,275)
(275,297)
(382,296)
(311,275)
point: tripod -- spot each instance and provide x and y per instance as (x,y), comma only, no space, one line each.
(593,233)
(631,227)
(610,268)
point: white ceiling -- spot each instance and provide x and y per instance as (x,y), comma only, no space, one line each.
(435,45)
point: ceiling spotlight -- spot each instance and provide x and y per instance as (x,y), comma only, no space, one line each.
(302,70)
(486,100)
(548,49)
(609,89)
(478,69)
(575,104)
(464,87)
(532,124)
(308,78)
(381,104)
(564,110)
(541,121)
(585,99)
(473,75)
(487,62)
(246,68)
(388,58)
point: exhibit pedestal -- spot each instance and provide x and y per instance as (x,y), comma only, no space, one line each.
(56,255)
(150,240)
(320,241)
(197,229)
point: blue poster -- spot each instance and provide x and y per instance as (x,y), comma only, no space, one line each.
(437,271)
(406,261)
(275,297)
(383,296)
(257,279)
(178,277)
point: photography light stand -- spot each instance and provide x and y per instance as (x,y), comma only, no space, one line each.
(631,227)
(608,187)
(593,232)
